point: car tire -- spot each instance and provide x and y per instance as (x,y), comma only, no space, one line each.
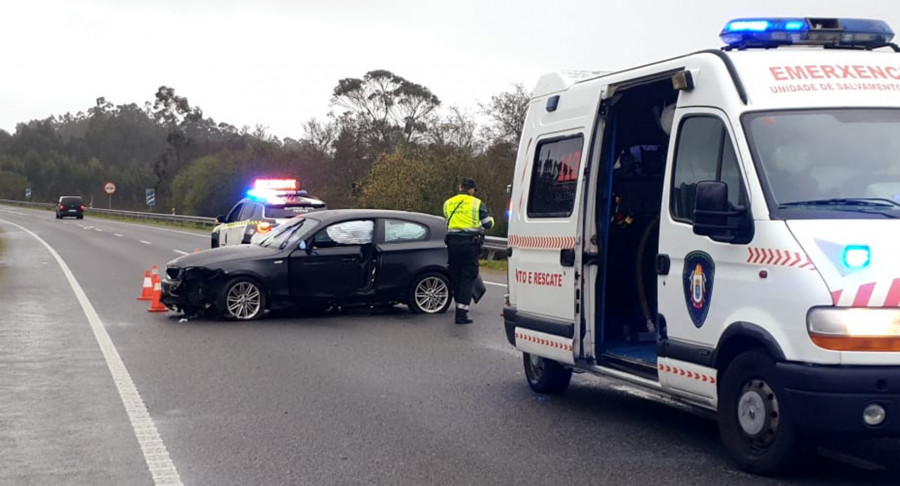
(755,423)
(80,216)
(545,375)
(242,299)
(429,294)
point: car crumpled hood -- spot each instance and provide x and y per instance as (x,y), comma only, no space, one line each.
(218,256)
(875,285)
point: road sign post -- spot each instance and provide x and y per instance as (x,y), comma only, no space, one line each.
(151,197)
(109,188)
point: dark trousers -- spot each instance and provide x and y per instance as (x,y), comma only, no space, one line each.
(463,252)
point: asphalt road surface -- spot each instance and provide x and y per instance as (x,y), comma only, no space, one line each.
(94,389)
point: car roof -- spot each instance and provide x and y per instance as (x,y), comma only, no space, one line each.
(330,215)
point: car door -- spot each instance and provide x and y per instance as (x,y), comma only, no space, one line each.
(226,228)
(337,263)
(405,248)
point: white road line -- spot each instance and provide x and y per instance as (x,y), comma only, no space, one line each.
(118,235)
(161,467)
(145,242)
(180,252)
(495,283)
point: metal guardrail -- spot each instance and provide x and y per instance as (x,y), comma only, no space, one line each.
(171,218)
(494,246)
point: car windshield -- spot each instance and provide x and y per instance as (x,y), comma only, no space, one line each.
(288,233)
(831,163)
(282,212)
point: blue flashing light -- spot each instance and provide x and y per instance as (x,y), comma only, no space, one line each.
(857,256)
(833,32)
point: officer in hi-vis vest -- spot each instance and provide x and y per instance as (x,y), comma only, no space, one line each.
(467,218)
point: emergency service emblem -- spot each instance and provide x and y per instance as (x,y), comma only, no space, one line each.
(698,276)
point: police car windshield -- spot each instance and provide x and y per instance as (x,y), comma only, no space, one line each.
(828,160)
(289,233)
(284,212)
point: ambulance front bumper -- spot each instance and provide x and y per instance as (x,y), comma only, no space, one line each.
(832,400)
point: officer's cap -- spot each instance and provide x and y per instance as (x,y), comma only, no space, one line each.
(468,183)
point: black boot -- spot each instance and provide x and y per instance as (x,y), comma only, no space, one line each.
(462,316)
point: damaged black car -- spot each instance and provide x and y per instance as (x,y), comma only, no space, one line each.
(316,261)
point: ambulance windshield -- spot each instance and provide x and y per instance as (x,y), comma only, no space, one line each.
(835,163)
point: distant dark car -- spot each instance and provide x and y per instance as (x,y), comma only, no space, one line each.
(70,206)
(314,261)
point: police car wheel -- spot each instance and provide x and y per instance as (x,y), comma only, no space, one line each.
(242,299)
(545,375)
(754,421)
(429,294)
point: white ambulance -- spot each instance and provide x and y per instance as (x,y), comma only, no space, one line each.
(722,228)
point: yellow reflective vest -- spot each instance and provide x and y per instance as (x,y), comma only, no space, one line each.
(466,213)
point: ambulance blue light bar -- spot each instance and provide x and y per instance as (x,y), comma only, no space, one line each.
(833,32)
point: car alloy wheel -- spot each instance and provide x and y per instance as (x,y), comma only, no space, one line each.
(430,294)
(244,300)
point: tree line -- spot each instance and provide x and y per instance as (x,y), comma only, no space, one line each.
(387,143)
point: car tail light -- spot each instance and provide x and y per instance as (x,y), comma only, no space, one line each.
(82,207)
(263,226)
(61,207)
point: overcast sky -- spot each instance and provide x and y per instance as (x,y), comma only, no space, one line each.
(275,62)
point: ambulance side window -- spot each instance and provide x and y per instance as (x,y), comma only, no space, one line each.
(554,177)
(704,153)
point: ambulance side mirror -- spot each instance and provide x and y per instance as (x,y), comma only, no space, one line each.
(716,218)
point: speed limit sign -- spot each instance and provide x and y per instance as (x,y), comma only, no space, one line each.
(109,188)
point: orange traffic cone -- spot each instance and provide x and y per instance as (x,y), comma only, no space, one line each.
(147,291)
(155,305)
(154,274)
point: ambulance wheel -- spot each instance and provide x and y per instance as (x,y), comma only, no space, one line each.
(754,420)
(545,375)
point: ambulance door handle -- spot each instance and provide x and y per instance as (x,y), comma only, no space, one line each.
(567,257)
(662,264)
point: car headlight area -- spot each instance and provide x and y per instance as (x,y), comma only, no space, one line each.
(854,328)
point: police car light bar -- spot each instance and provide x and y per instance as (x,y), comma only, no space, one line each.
(274,191)
(763,32)
(276,184)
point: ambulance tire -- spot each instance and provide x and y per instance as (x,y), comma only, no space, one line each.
(755,424)
(545,375)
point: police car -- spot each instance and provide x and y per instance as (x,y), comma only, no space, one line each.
(721,229)
(269,203)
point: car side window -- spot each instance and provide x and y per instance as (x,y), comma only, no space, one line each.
(251,212)
(704,153)
(347,233)
(396,231)
(234,213)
